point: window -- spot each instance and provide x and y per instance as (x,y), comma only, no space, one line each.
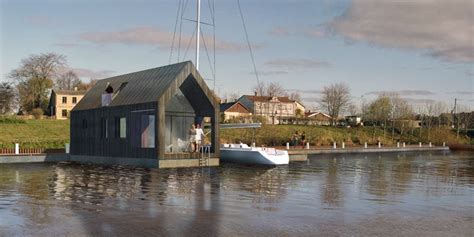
(84,124)
(121,127)
(64,113)
(143,130)
(74,100)
(64,100)
(103,128)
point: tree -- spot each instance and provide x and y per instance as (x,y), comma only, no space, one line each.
(271,89)
(400,110)
(68,81)
(295,96)
(335,99)
(86,86)
(379,110)
(7,97)
(34,78)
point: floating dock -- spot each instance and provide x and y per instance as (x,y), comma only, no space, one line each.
(300,154)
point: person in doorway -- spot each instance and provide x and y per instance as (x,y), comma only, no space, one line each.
(192,137)
(199,136)
(303,139)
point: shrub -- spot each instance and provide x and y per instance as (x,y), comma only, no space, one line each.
(11,119)
(37,113)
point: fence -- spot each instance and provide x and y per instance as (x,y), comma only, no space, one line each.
(11,151)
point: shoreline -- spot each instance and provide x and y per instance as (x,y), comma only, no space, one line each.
(298,154)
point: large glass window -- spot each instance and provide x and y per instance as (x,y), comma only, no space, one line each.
(142,130)
(178,120)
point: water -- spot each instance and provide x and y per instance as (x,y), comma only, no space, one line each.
(390,194)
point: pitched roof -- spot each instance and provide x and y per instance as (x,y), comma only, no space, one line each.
(312,114)
(227,106)
(283,99)
(69,92)
(141,87)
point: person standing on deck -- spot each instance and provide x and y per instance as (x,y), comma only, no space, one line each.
(192,137)
(303,139)
(199,136)
(295,138)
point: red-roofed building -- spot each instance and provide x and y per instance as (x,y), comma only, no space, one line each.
(273,108)
(234,111)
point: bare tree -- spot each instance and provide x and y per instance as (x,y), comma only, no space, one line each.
(67,81)
(271,89)
(34,77)
(400,110)
(335,99)
(7,97)
(295,96)
(439,109)
(86,86)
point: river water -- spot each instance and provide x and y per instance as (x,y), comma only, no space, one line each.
(389,194)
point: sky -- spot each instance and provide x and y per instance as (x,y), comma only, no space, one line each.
(423,50)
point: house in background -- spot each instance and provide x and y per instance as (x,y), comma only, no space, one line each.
(235,112)
(144,119)
(353,121)
(318,118)
(61,102)
(274,109)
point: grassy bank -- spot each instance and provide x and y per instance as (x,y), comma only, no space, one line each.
(325,136)
(54,133)
(34,133)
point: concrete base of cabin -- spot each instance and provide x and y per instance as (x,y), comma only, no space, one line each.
(177,163)
(147,163)
(104,160)
(37,158)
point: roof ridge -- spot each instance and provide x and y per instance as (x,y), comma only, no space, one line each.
(150,69)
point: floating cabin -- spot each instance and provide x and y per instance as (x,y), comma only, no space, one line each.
(143,119)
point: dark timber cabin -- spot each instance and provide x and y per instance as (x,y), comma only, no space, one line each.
(143,119)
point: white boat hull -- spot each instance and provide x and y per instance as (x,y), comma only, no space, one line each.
(253,155)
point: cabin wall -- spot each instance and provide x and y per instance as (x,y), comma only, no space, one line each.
(88,138)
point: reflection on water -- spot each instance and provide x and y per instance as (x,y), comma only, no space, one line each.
(357,194)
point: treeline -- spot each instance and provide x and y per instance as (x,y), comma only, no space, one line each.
(29,86)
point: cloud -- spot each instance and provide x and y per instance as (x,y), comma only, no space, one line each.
(280,31)
(147,35)
(297,63)
(461,92)
(315,32)
(419,101)
(306,91)
(441,29)
(269,73)
(87,73)
(402,92)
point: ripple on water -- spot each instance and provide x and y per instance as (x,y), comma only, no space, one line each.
(333,191)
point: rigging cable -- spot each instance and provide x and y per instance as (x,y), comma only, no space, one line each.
(214,42)
(207,53)
(174,33)
(189,43)
(248,43)
(185,4)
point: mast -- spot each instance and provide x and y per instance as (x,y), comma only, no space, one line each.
(198,30)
